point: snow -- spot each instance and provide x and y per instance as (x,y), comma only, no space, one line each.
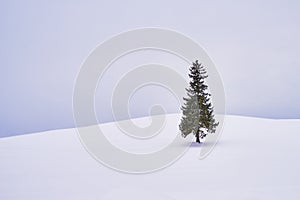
(254,159)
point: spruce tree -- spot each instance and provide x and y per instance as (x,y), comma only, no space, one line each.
(198,117)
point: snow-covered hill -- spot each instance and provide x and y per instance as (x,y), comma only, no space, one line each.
(254,159)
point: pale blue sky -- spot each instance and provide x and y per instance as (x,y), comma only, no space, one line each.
(254,44)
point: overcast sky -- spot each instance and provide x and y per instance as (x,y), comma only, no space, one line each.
(255,46)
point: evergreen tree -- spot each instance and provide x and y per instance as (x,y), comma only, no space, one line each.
(198,117)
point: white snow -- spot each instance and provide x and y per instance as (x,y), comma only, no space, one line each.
(254,159)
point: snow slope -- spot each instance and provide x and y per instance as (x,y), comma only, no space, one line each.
(254,159)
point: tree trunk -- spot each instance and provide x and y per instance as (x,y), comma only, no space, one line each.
(197,137)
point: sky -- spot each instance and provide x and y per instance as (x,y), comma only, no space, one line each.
(254,45)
